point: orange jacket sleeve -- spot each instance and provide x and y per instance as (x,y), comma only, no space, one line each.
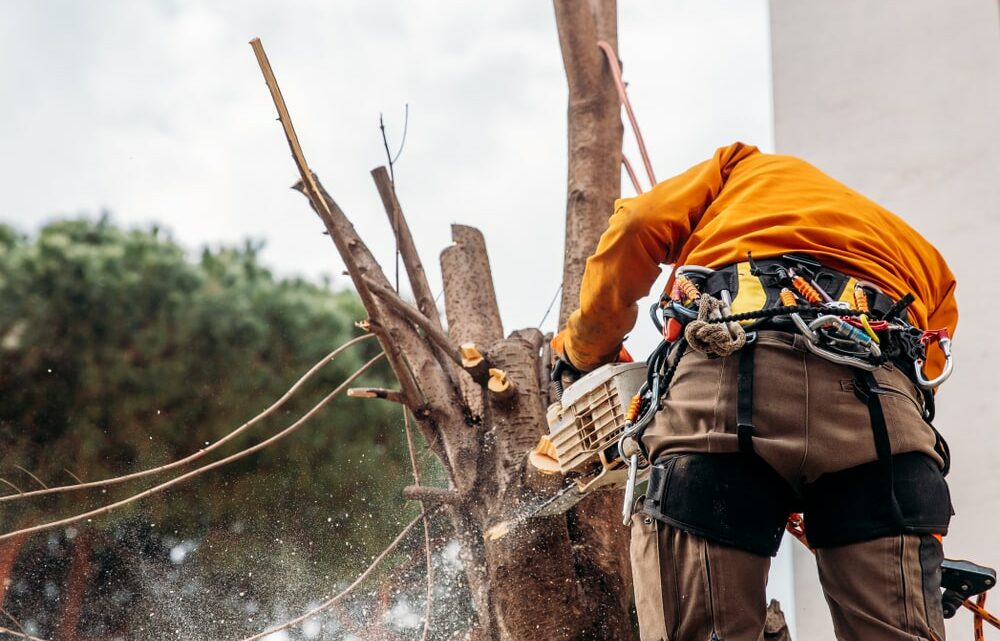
(643,232)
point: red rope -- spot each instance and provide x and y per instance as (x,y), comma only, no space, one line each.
(631,174)
(616,73)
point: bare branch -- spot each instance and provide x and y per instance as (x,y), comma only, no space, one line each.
(202,452)
(407,248)
(35,478)
(353,252)
(74,476)
(15,622)
(205,468)
(431,494)
(19,635)
(16,489)
(343,593)
(377,392)
(413,315)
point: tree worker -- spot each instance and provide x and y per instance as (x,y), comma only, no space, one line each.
(822,405)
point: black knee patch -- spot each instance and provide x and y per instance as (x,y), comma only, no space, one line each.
(732,499)
(855,504)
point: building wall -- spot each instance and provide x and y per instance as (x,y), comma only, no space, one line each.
(900,99)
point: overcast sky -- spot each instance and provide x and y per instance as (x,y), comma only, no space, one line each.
(157,111)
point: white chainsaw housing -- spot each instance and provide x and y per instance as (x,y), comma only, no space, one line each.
(585,425)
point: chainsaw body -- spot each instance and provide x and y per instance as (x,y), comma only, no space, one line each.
(585,425)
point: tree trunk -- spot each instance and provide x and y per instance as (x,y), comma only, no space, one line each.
(559,578)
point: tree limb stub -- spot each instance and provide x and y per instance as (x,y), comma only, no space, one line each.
(407,248)
(413,315)
(431,495)
(475,363)
(377,392)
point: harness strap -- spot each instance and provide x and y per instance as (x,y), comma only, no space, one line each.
(868,391)
(744,396)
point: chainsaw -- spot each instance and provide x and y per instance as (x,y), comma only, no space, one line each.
(585,427)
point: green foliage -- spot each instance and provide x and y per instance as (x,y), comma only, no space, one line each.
(118,352)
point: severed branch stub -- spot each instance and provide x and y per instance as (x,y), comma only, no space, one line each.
(431,495)
(474,363)
(500,386)
(393,395)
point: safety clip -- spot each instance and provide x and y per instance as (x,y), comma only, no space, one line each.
(941,337)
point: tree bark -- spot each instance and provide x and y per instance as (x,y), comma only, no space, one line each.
(562,577)
(595,135)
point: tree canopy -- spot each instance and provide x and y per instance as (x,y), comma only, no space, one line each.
(120,352)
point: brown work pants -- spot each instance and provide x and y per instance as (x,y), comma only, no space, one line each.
(808,422)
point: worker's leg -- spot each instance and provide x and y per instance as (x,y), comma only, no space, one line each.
(690,589)
(886,589)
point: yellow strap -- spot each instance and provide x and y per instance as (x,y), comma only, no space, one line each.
(750,296)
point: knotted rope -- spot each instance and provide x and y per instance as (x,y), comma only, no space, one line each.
(714,338)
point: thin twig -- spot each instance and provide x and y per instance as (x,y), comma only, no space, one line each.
(19,635)
(75,477)
(16,489)
(340,595)
(413,315)
(392,180)
(37,480)
(406,127)
(353,252)
(202,452)
(14,621)
(205,468)
(427,528)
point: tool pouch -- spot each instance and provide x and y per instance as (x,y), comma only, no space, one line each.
(733,499)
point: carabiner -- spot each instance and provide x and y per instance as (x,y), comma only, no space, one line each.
(939,336)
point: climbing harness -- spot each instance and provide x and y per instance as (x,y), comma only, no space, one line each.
(844,320)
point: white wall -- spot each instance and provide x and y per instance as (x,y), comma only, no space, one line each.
(901,100)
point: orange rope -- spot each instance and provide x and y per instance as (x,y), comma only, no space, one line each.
(616,73)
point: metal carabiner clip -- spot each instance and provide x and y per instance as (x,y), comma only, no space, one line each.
(633,474)
(940,336)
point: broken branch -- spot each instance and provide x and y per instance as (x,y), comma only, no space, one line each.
(407,249)
(377,392)
(412,314)
(431,494)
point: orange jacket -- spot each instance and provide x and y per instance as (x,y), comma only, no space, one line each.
(742,200)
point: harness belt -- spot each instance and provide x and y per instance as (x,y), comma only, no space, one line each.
(739,500)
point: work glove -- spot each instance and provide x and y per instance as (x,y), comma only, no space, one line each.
(564,366)
(558,344)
